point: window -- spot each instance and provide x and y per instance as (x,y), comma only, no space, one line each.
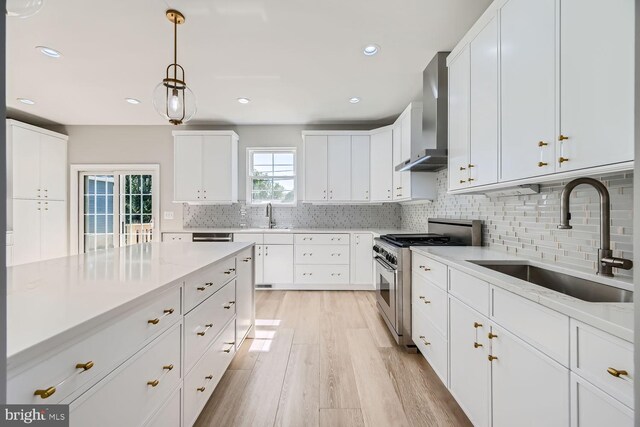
(271,176)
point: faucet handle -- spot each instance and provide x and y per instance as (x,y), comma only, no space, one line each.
(625,264)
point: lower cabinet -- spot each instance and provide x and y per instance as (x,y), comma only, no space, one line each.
(277,264)
(361,259)
(170,413)
(431,344)
(245,312)
(591,407)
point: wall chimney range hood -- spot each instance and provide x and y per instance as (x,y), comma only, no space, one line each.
(431,155)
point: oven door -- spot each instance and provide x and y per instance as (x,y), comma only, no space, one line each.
(386,285)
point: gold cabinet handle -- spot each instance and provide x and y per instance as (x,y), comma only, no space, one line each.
(476,345)
(154,321)
(542,144)
(425,300)
(208,377)
(425,268)
(492,336)
(462,168)
(201,288)
(166,312)
(617,373)
(48,392)
(85,366)
(492,358)
(424,340)
(167,367)
(206,328)
(227,272)
(471,179)
(229,305)
(562,138)
(232,344)
(462,181)
(562,160)
(201,389)
(45,393)
(471,166)
(153,383)
(477,325)
(246,259)
(542,164)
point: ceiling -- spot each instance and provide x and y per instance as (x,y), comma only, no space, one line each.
(299,61)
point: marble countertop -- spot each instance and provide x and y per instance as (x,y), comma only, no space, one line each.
(49,301)
(615,318)
(376,231)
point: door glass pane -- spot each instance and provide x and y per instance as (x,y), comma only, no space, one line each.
(136,209)
(98,212)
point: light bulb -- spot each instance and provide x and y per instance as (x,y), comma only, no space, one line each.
(174,101)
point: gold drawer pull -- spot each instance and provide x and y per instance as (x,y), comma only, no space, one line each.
(201,389)
(201,288)
(462,168)
(246,259)
(477,325)
(48,392)
(207,327)
(424,340)
(562,138)
(153,383)
(166,311)
(208,377)
(541,164)
(425,268)
(45,393)
(229,304)
(492,336)
(476,345)
(85,366)
(154,321)
(462,181)
(425,300)
(232,344)
(471,179)
(168,367)
(562,160)
(492,358)
(617,373)
(542,144)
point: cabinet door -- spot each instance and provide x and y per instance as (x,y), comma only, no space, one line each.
(25,163)
(53,167)
(217,177)
(397,159)
(483,140)
(528,75)
(244,294)
(53,226)
(315,168)
(26,230)
(469,371)
(591,407)
(188,168)
(459,120)
(339,171)
(381,168)
(362,259)
(259,264)
(360,162)
(278,264)
(526,385)
(597,118)
(406,135)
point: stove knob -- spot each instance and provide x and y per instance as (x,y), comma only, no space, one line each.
(376,249)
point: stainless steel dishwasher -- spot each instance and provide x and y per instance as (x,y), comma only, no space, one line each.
(212,237)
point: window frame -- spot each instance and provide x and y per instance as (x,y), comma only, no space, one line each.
(249,177)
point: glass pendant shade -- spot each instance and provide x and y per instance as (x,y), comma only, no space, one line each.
(23,8)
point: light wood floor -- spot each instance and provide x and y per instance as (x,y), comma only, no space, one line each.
(326,358)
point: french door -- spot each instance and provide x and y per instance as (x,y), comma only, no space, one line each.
(116,208)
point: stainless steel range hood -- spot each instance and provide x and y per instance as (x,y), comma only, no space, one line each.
(431,155)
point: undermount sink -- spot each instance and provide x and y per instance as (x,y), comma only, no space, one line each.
(576,287)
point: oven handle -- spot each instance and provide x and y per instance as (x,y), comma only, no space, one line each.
(385,265)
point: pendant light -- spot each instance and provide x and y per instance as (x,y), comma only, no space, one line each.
(172,98)
(23,8)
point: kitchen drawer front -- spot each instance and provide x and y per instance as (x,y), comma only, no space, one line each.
(126,397)
(130,332)
(591,407)
(203,378)
(176,237)
(321,254)
(169,414)
(430,301)
(278,239)
(322,239)
(205,322)
(200,286)
(470,290)
(594,351)
(256,238)
(434,271)
(322,274)
(541,327)
(431,344)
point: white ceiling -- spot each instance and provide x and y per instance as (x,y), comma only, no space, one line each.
(299,61)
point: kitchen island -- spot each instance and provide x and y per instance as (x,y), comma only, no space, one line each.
(123,335)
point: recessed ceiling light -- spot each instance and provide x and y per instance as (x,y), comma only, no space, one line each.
(52,53)
(354,100)
(244,100)
(26,101)
(132,101)
(371,49)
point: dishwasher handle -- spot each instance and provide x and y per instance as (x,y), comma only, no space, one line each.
(212,237)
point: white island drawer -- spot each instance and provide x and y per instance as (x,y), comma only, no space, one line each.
(59,373)
(603,359)
(169,414)
(434,271)
(321,254)
(322,274)
(205,322)
(203,378)
(470,290)
(431,344)
(322,239)
(430,301)
(130,394)
(199,286)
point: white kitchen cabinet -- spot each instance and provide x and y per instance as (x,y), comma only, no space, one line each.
(53,167)
(362,259)
(526,384)
(381,170)
(244,294)
(528,40)
(595,118)
(339,168)
(397,159)
(469,370)
(205,167)
(278,264)
(458,152)
(39,230)
(360,165)
(483,109)
(591,407)
(315,168)
(259,264)
(53,229)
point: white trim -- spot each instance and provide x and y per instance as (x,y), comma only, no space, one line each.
(27,126)
(205,133)
(74,195)
(248,177)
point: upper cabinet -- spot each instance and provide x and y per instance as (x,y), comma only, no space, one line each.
(381,171)
(205,167)
(526,100)
(360,168)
